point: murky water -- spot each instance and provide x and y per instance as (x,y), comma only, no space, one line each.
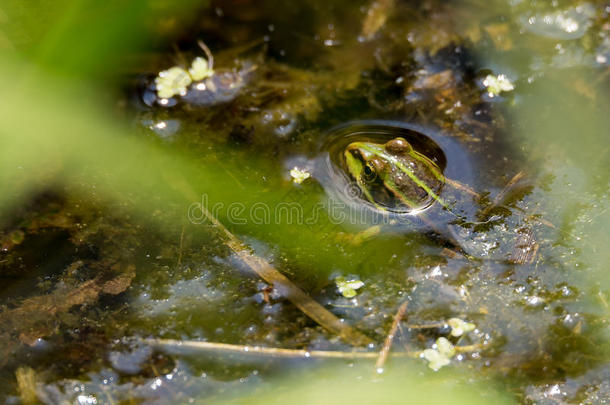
(111,272)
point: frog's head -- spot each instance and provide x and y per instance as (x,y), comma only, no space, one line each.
(369,162)
(392,173)
(364,161)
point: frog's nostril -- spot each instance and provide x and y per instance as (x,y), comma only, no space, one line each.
(356,153)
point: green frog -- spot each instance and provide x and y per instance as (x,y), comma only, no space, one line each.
(393,176)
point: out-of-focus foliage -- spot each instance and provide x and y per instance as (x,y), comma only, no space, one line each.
(86,38)
(55,131)
(358,386)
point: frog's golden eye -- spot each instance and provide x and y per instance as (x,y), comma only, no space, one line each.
(373,169)
(398,145)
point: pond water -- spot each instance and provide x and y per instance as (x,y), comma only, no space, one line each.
(198,232)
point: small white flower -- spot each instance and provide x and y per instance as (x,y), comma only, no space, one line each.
(172,82)
(299,175)
(348,288)
(497,84)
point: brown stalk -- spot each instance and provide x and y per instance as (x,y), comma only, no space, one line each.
(285,287)
(276,352)
(387,345)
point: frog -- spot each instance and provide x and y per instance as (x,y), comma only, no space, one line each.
(394,176)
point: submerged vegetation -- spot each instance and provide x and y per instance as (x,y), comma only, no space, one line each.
(395,200)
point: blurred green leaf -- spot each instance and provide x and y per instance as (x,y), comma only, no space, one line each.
(358,385)
(85,37)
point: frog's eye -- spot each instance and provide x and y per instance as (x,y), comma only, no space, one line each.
(368,172)
(398,145)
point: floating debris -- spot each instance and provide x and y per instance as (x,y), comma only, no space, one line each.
(497,84)
(440,355)
(172,82)
(299,175)
(348,287)
(176,80)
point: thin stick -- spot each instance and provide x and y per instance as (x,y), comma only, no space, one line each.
(208,53)
(428,326)
(280,282)
(508,186)
(541,221)
(502,194)
(276,352)
(293,293)
(463,187)
(387,345)
(253,351)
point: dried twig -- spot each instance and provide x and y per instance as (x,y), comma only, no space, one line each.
(462,187)
(276,352)
(387,345)
(207,52)
(254,351)
(293,293)
(502,194)
(427,326)
(280,282)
